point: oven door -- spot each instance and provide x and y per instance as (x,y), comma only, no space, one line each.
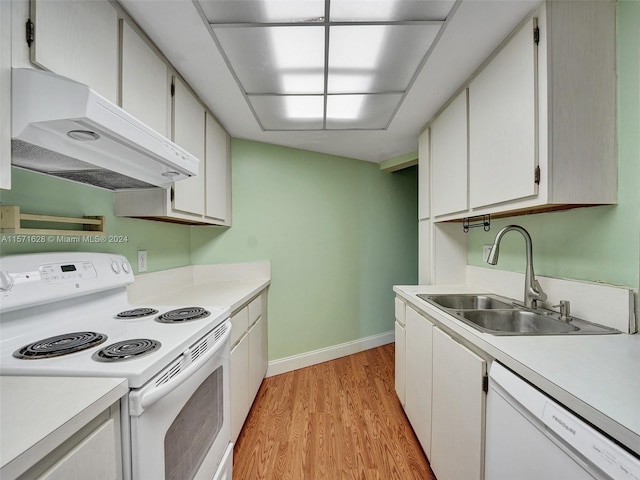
(180,422)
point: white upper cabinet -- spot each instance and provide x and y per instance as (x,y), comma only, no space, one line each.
(218,172)
(502,128)
(78,40)
(201,200)
(188,132)
(541,120)
(144,81)
(449,162)
(424,185)
(5,95)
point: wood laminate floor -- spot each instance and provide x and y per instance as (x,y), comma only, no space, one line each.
(336,420)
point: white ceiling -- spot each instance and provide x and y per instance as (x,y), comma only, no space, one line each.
(470,34)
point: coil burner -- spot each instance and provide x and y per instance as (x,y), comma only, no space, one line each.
(137,313)
(60,345)
(126,350)
(183,315)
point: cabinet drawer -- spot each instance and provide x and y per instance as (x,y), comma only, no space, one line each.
(255,310)
(239,325)
(95,457)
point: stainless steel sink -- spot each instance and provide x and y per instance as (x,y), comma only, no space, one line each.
(467,302)
(503,316)
(510,322)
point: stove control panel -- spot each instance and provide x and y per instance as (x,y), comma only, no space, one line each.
(33,279)
(67,272)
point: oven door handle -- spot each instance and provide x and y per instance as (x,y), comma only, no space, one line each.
(145,399)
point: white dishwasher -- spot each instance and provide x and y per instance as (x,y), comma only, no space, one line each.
(531,437)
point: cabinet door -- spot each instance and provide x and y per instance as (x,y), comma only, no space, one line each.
(145,81)
(218,168)
(424,185)
(401,359)
(5,95)
(239,386)
(449,166)
(502,128)
(457,448)
(78,40)
(419,334)
(188,132)
(257,357)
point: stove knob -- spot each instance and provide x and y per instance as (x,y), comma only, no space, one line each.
(115,267)
(6,281)
(126,268)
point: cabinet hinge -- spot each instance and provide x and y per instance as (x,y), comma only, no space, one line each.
(536,35)
(30,32)
(536,175)
(485,384)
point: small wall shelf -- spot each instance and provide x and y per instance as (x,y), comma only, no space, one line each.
(11,222)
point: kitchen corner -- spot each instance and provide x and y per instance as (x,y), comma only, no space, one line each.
(40,414)
(593,375)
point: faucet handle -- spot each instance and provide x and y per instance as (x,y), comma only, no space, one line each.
(542,296)
(565,309)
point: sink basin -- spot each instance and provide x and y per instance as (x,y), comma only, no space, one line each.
(467,302)
(516,322)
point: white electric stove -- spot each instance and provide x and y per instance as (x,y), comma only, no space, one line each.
(67,314)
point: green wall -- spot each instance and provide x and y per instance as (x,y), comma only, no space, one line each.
(599,244)
(339,233)
(167,244)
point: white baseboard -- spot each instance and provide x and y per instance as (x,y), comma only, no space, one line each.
(288,364)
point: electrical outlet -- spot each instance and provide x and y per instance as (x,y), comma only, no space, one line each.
(142,261)
(486,249)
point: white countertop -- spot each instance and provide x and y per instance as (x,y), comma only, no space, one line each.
(39,413)
(596,376)
(225,294)
(226,285)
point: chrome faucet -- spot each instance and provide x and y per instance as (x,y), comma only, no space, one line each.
(532,289)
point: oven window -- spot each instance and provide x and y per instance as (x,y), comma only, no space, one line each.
(194,430)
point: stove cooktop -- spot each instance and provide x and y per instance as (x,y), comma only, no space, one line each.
(95,304)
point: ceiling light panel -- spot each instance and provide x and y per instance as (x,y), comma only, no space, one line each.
(297,112)
(379,58)
(325,64)
(361,112)
(262,11)
(389,10)
(276,59)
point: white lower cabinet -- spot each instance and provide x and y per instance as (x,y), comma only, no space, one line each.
(239,385)
(93,452)
(419,336)
(458,410)
(248,360)
(444,388)
(257,355)
(400,349)
(401,365)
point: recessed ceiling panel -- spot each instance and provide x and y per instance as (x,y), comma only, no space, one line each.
(376,58)
(262,11)
(389,10)
(276,59)
(367,112)
(294,112)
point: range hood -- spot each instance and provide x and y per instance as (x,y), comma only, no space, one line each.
(63,128)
